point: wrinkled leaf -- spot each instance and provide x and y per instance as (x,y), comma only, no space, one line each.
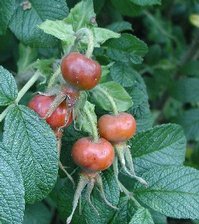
(172,191)
(6,12)
(12,203)
(8,87)
(157,147)
(32,142)
(28,15)
(143,216)
(127,48)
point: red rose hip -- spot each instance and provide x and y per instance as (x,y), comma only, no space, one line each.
(117,128)
(93,156)
(80,71)
(41,104)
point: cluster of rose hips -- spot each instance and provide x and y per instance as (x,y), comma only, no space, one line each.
(93,156)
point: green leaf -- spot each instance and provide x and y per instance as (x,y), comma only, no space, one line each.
(27,55)
(190,68)
(127,8)
(126,209)
(123,73)
(6,11)
(60,30)
(158,218)
(105,72)
(32,142)
(35,13)
(127,48)
(65,197)
(84,117)
(8,87)
(157,147)
(101,93)
(140,107)
(101,35)
(37,213)
(181,90)
(190,122)
(143,118)
(172,191)
(81,15)
(143,216)
(194,19)
(12,203)
(196,221)
(120,26)
(146,2)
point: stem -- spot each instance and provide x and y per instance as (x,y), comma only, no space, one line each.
(89,34)
(21,93)
(109,98)
(54,77)
(27,86)
(93,125)
(137,204)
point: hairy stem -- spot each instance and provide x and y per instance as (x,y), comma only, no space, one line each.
(90,37)
(109,98)
(92,124)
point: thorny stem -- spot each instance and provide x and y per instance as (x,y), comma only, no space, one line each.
(22,92)
(109,98)
(92,124)
(89,34)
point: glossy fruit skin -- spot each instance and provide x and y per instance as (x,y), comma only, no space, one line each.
(41,104)
(117,128)
(93,156)
(80,71)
